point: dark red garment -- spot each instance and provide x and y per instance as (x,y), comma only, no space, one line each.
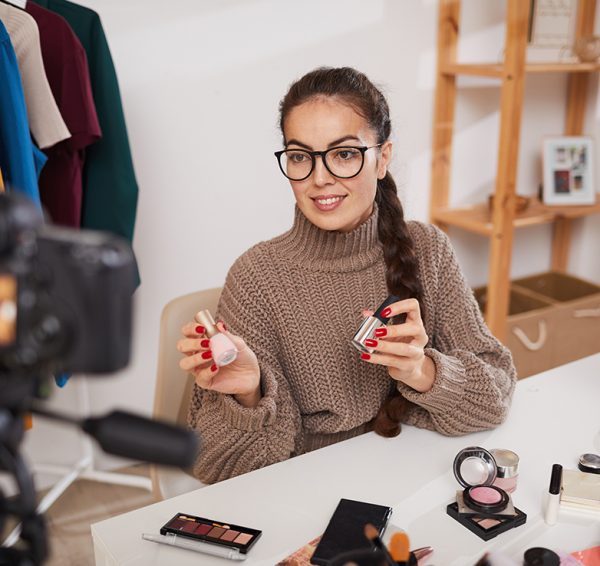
(66,66)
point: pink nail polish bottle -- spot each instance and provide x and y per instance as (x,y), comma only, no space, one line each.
(223,349)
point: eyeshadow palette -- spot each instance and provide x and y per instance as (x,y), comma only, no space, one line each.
(215,532)
(488,527)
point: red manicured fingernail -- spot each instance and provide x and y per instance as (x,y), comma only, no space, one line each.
(214,367)
(204,343)
(371,343)
(200,330)
(224,325)
(207,355)
(380,332)
(386,312)
(365,356)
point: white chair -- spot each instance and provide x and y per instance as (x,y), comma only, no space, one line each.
(173,387)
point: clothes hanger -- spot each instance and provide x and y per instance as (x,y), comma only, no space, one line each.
(19,4)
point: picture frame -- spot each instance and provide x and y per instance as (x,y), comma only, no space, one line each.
(551,30)
(568,170)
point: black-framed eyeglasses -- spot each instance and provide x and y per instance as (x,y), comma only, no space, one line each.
(343,162)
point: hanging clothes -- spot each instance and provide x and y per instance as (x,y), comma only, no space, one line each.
(20,160)
(66,67)
(45,121)
(110,187)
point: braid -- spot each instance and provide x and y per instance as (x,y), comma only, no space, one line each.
(402,280)
(402,277)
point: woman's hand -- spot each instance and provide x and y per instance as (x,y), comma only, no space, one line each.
(240,378)
(401,347)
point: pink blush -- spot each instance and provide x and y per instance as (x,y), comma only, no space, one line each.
(485,495)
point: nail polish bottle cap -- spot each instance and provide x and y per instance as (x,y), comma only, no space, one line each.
(390,300)
(205,319)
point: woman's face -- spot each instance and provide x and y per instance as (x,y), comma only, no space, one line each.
(329,202)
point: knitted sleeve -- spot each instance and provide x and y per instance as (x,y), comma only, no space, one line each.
(234,439)
(475,375)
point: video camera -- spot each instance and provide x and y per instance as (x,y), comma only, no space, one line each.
(65,306)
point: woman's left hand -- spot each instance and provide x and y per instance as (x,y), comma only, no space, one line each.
(401,347)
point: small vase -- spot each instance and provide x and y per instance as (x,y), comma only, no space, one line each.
(587,48)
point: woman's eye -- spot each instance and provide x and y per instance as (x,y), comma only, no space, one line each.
(346,154)
(297,157)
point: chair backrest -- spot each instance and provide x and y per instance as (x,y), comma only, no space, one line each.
(173,387)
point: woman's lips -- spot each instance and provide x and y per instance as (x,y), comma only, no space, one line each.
(328,202)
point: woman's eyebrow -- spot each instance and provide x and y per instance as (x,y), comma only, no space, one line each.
(332,144)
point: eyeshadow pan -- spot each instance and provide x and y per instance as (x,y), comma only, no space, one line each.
(189,527)
(230,535)
(487,523)
(216,532)
(243,538)
(177,524)
(202,529)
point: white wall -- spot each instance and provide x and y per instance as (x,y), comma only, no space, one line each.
(201,82)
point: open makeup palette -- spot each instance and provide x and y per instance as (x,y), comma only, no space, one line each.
(207,530)
(483,508)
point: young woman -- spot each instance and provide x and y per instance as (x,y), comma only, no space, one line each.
(292,305)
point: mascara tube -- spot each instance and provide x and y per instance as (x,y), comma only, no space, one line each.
(553,500)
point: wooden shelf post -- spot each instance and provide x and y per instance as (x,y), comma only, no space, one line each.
(445,102)
(503,215)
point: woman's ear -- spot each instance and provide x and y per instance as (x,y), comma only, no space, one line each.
(384,159)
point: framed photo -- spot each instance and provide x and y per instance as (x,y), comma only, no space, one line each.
(568,170)
(551,30)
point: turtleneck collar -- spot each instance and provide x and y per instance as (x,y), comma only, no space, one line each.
(325,250)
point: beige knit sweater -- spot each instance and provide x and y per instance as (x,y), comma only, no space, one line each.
(297,301)
(45,120)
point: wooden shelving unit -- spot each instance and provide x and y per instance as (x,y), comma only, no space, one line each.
(500,224)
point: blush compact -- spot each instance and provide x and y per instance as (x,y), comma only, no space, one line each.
(484,508)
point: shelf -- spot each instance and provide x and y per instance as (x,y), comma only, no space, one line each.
(478,218)
(496,70)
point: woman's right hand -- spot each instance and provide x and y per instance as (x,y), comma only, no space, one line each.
(240,378)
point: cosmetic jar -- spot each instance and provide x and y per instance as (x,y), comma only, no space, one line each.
(507,469)
(540,557)
(589,463)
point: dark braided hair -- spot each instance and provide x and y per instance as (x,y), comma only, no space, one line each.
(355,89)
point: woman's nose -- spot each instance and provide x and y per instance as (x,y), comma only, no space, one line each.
(322,176)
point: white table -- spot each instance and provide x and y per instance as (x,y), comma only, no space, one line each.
(555,417)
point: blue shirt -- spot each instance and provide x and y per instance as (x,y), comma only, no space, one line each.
(20,161)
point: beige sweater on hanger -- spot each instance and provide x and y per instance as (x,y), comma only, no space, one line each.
(297,301)
(45,121)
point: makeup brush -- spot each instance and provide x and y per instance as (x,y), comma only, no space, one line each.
(400,548)
(372,534)
(419,554)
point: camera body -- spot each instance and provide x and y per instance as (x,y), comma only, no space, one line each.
(65,296)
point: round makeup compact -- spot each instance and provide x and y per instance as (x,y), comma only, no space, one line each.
(589,463)
(485,498)
(475,469)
